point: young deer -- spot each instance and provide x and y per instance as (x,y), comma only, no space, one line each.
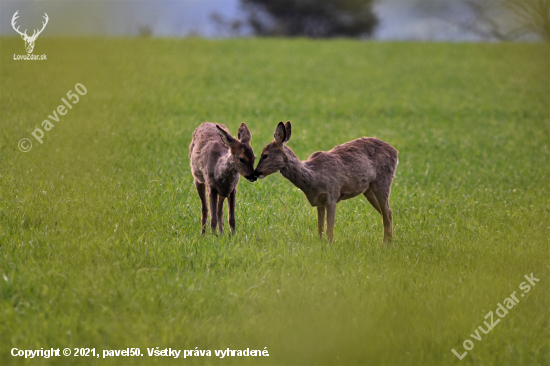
(217,158)
(366,165)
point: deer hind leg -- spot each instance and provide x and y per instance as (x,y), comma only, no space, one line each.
(331,216)
(383,198)
(321,221)
(231,208)
(371,197)
(201,189)
(220,213)
(213,209)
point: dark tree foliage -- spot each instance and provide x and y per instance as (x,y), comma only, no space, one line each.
(311,18)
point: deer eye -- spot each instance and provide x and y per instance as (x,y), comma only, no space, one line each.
(242,160)
(264,156)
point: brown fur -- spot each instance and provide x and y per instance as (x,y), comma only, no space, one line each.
(363,166)
(216,164)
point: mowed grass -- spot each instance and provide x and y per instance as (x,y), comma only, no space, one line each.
(100,225)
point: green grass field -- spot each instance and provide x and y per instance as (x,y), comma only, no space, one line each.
(100,241)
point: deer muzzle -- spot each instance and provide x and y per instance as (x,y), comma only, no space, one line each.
(258,175)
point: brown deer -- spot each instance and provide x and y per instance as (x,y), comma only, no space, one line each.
(363,166)
(217,159)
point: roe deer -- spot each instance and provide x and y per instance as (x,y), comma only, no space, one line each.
(217,158)
(366,165)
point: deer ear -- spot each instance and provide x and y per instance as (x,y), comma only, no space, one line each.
(280,133)
(244,135)
(226,137)
(23,35)
(288,131)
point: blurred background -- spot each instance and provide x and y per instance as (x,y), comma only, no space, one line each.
(422,20)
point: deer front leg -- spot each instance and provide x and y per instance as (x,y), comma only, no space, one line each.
(220,213)
(201,189)
(331,215)
(213,209)
(231,207)
(320,221)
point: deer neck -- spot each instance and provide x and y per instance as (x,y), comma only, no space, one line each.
(226,169)
(296,172)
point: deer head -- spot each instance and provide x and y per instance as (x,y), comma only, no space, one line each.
(29,41)
(273,155)
(242,153)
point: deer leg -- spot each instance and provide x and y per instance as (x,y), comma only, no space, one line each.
(331,215)
(231,208)
(371,197)
(220,213)
(321,221)
(213,209)
(383,198)
(201,189)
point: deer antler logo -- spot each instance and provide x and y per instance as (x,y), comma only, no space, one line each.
(29,41)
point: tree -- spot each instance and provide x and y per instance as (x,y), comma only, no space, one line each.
(227,27)
(311,18)
(508,19)
(533,16)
